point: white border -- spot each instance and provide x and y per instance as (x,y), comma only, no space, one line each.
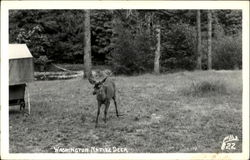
(6,5)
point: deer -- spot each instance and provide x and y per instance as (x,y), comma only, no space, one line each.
(105,91)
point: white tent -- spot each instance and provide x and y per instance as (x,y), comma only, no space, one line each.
(21,68)
(21,72)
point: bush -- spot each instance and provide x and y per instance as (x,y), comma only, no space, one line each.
(35,40)
(206,87)
(41,62)
(132,53)
(178,48)
(227,52)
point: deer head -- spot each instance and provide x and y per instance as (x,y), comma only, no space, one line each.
(98,85)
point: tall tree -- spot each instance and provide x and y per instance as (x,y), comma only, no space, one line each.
(209,16)
(158,50)
(87,44)
(198,30)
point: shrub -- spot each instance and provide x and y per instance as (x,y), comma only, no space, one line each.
(41,62)
(227,52)
(132,53)
(178,48)
(35,40)
(206,87)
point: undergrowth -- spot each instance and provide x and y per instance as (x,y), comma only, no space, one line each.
(206,87)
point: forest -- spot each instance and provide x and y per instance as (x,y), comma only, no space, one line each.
(127,40)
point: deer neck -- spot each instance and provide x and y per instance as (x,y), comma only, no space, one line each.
(102,95)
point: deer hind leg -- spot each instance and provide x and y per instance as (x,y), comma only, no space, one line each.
(98,112)
(116,110)
(107,103)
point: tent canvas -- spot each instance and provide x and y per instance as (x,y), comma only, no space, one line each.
(21,68)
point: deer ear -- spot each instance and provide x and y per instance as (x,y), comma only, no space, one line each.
(102,81)
(92,81)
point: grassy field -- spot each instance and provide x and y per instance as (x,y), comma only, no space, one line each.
(179,112)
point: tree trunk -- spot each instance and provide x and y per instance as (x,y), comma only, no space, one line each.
(149,22)
(157,51)
(199,54)
(87,45)
(209,16)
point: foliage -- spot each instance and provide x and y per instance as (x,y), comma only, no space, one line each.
(133,43)
(65,29)
(231,21)
(227,53)
(58,34)
(36,41)
(43,60)
(132,53)
(226,42)
(101,33)
(41,63)
(178,49)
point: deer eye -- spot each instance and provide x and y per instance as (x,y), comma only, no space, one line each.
(97,87)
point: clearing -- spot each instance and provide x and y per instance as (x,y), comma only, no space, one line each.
(161,114)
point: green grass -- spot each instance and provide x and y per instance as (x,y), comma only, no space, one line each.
(164,113)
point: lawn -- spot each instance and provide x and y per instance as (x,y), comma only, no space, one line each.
(162,113)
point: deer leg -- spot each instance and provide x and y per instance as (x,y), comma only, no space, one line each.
(106,110)
(116,107)
(98,112)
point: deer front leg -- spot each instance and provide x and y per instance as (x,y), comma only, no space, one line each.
(107,103)
(98,112)
(117,114)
